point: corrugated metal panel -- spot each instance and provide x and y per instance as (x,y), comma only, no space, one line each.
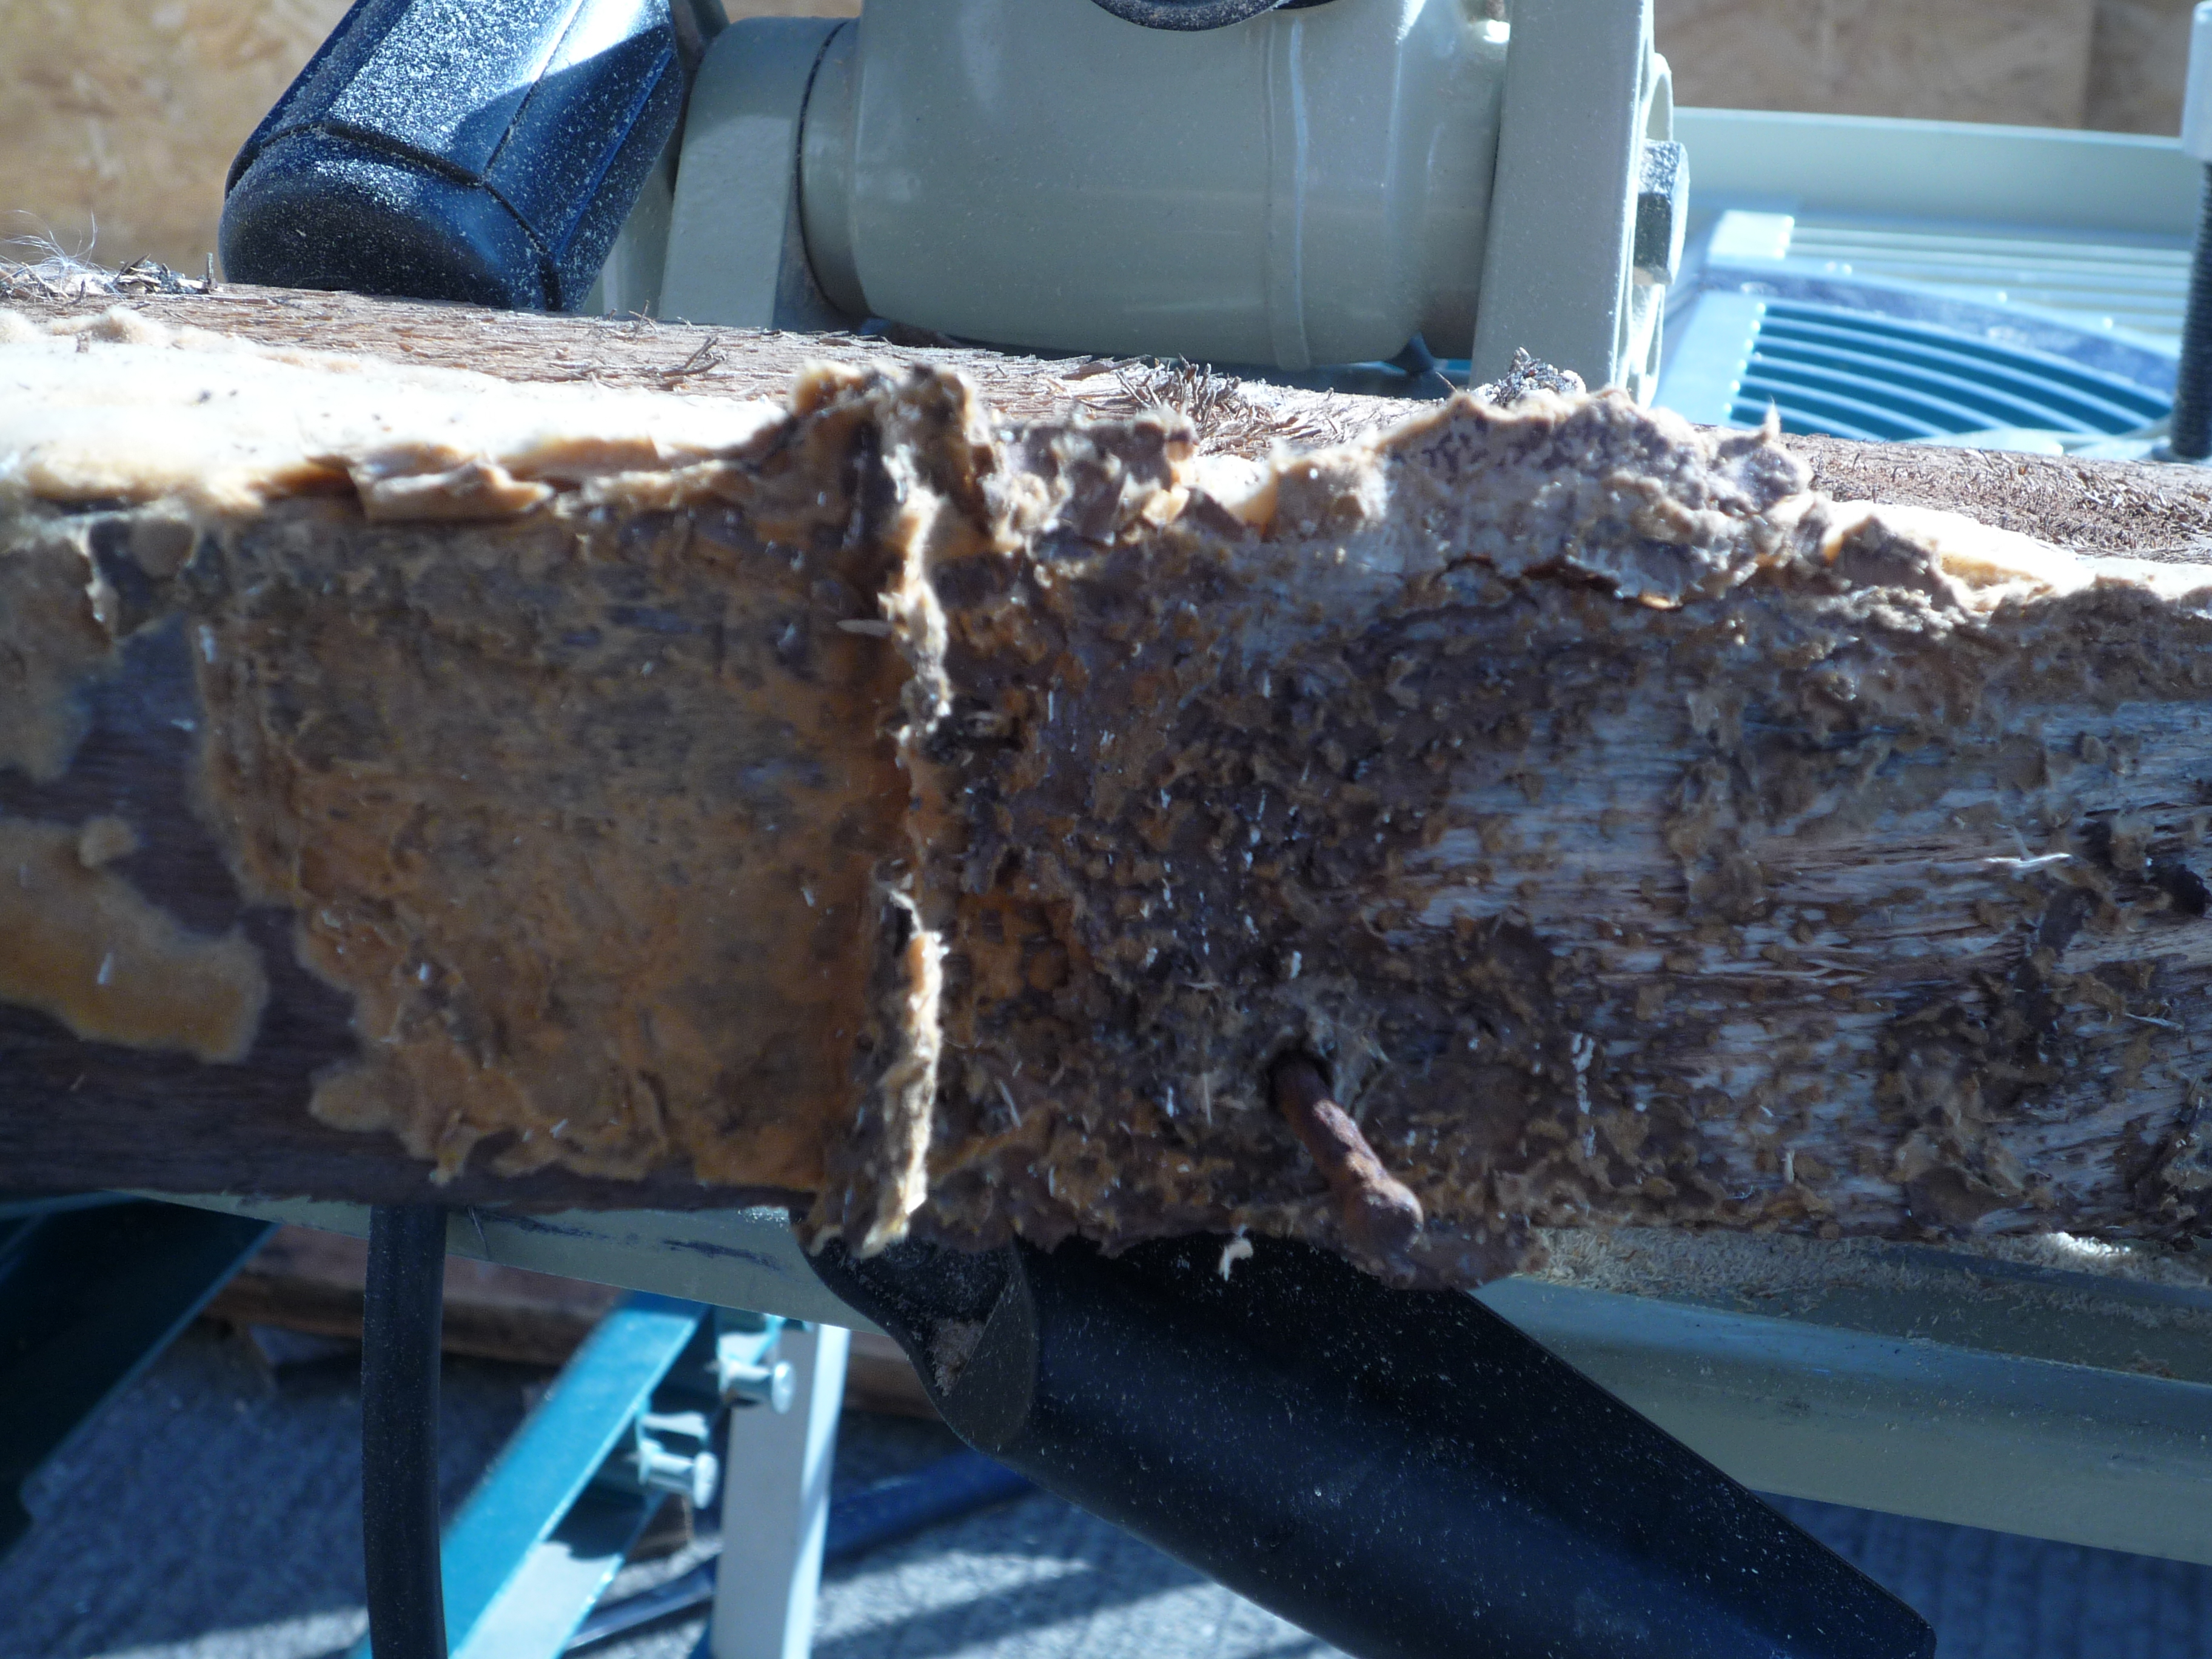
(2141,286)
(1858,375)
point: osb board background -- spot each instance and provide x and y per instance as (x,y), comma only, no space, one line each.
(2113,65)
(118,120)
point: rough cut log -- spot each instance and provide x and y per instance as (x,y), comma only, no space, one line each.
(946,804)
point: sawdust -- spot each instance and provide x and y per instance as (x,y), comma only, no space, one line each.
(117,405)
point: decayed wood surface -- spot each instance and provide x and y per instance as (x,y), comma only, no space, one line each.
(639,354)
(948,797)
(2094,506)
(81,1112)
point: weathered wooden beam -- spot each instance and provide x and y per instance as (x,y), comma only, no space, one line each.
(314,1283)
(311,1282)
(941,794)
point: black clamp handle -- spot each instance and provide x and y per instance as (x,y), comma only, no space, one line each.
(457,149)
(1401,1472)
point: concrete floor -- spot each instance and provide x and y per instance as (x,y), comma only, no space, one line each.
(211,1514)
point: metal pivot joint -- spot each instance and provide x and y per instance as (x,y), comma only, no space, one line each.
(747,1372)
(636,1414)
(670,1452)
(1234,183)
(1402,1473)
(670,1444)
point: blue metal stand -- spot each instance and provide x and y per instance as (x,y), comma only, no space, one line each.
(956,1485)
(91,1292)
(631,1417)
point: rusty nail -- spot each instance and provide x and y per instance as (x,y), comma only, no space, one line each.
(1380,1216)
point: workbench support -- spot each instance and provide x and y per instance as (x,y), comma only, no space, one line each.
(775,1506)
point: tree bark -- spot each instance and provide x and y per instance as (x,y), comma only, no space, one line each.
(502,759)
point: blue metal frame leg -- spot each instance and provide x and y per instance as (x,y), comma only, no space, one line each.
(90,1294)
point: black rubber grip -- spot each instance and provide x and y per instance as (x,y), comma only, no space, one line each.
(1401,1472)
(455,149)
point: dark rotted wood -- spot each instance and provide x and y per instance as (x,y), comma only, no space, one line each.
(82,1116)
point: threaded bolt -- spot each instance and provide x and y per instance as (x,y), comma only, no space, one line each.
(2192,436)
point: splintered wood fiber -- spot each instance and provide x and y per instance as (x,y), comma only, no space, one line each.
(952,819)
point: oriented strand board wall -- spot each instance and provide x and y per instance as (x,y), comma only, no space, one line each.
(2024,61)
(2138,64)
(118,120)
(2116,65)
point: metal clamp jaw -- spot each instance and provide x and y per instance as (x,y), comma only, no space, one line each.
(1279,183)
(1304,186)
(482,153)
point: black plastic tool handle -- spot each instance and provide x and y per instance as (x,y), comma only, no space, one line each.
(1402,1473)
(482,150)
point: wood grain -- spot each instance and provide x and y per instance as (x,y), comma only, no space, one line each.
(311,1282)
(1635,834)
(2141,509)
(2023,62)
